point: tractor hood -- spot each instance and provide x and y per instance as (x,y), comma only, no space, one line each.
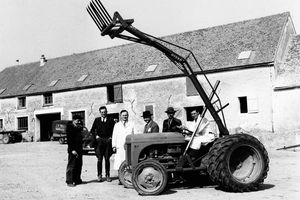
(156,138)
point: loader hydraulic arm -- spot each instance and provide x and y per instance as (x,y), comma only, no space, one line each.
(116,25)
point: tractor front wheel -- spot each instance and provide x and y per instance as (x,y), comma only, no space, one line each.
(149,177)
(125,175)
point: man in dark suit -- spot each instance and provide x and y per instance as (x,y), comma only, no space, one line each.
(151,126)
(74,141)
(102,130)
(171,124)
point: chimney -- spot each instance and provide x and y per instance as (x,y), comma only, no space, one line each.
(42,61)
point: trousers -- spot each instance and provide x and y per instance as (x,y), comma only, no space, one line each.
(74,167)
(103,150)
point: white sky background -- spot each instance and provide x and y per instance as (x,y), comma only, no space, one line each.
(55,28)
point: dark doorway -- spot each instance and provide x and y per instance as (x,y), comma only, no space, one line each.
(46,125)
(115,116)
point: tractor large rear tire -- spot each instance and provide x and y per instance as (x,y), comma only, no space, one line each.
(238,163)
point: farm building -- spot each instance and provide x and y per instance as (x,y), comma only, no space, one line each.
(256,61)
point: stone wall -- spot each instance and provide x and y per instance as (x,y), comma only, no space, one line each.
(287,110)
(255,82)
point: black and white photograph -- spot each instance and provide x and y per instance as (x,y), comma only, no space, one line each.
(157,99)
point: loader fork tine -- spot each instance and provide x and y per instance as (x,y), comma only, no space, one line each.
(99,25)
(104,11)
(99,14)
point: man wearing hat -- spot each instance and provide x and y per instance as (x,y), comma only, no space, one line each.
(74,140)
(151,126)
(171,124)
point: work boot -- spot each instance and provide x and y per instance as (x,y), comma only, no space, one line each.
(108,179)
(119,182)
(100,178)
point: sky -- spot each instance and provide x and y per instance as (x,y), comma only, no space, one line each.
(56,28)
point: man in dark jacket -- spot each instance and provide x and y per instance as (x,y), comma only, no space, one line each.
(171,124)
(151,126)
(102,130)
(74,141)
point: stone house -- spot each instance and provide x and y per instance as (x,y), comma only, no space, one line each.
(252,60)
(286,94)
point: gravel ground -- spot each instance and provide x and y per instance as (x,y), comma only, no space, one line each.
(37,171)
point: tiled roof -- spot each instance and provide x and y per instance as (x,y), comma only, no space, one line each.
(215,48)
(288,73)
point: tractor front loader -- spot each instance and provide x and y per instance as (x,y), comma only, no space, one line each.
(237,163)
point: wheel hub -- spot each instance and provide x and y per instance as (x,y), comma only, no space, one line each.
(239,165)
(244,164)
(149,179)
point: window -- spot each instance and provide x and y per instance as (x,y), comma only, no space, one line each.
(53,83)
(48,99)
(190,88)
(244,55)
(248,104)
(2,90)
(81,114)
(82,78)
(150,108)
(22,123)
(27,87)
(243,105)
(114,94)
(190,109)
(1,124)
(21,102)
(151,68)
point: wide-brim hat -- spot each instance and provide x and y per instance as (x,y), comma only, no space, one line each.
(147,113)
(170,110)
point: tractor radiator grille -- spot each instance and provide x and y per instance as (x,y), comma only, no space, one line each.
(128,154)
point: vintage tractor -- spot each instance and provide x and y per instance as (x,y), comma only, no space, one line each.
(12,136)
(237,163)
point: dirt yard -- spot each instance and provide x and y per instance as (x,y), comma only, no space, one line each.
(37,171)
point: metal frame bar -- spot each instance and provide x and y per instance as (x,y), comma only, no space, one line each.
(117,25)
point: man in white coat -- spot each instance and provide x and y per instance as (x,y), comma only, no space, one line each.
(121,130)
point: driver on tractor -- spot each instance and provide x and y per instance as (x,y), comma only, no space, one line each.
(203,133)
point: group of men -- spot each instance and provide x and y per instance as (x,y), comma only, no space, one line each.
(110,138)
(171,124)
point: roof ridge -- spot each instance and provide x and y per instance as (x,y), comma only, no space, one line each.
(232,23)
